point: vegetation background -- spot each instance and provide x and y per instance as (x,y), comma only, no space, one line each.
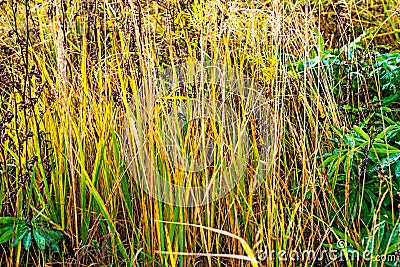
(68,68)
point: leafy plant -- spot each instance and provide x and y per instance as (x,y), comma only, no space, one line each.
(356,165)
(21,231)
(376,246)
(354,66)
(387,67)
(363,163)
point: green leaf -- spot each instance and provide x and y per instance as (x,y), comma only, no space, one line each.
(20,235)
(386,109)
(388,132)
(392,248)
(361,133)
(349,140)
(55,234)
(320,39)
(343,236)
(337,131)
(55,247)
(381,231)
(329,160)
(28,240)
(6,228)
(40,240)
(392,237)
(6,236)
(383,151)
(385,162)
(7,220)
(397,170)
(390,99)
(388,120)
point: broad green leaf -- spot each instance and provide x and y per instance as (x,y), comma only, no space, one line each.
(55,234)
(361,133)
(6,228)
(397,170)
(390,99)
(386,162)
(40,240)
(388,120)
(386,109)
(382,151)
(392,237)
(392,248)
(6,236)
(20,235)
(361,142)
(7,220)
(388,132)
(55,247)
(28,240)
(372,196)
(328,160)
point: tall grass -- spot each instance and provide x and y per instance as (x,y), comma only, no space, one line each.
(92,60)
